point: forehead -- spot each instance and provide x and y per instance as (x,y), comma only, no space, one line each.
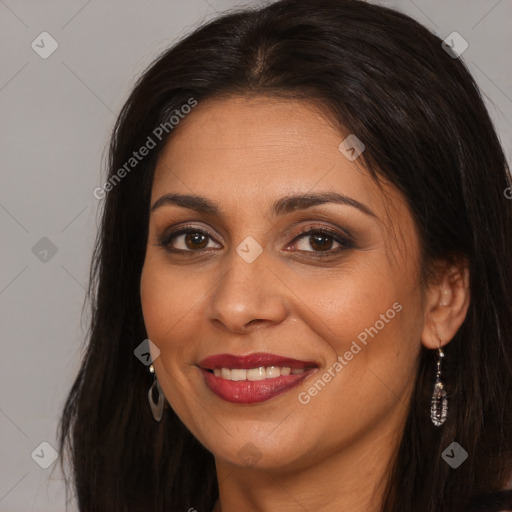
(258,146)
(246,153)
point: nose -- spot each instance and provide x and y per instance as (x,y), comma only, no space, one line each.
(248,296)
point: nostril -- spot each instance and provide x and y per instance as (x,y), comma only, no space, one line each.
(257,321)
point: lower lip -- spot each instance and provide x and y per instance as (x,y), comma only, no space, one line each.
(251,392)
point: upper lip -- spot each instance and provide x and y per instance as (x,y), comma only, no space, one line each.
(253,361)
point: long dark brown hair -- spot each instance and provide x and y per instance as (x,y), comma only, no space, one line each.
(388,80)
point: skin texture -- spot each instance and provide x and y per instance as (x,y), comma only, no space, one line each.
(332,453)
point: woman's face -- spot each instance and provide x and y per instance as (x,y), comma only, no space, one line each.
(343,302)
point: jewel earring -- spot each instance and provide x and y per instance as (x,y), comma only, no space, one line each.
(157,407)
(439,402)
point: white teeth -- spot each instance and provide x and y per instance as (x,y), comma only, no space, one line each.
(273,372)
(257,373)
(237,374)
(254,374)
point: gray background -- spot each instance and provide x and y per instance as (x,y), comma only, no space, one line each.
(56,117)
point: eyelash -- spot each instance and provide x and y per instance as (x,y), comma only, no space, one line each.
(344,241)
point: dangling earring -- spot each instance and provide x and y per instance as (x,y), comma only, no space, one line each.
(439,402)
(157,408)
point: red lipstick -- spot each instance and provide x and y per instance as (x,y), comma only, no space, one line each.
(253,391)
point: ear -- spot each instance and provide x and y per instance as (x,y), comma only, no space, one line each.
(446,305)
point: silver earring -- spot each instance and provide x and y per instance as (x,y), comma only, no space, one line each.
(157,408)
(439,402)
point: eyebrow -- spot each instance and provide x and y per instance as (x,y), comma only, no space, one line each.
(280,207)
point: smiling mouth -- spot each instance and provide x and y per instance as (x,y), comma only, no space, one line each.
(253,378)
(255,374)
(252,391)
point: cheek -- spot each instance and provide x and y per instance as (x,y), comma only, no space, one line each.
(166,300)
(345,302)
(369,319)
(168,294)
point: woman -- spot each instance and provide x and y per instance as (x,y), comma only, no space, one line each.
(305,214)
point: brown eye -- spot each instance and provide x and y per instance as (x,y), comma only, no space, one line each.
(196,240)
(321,242)
(186,240)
